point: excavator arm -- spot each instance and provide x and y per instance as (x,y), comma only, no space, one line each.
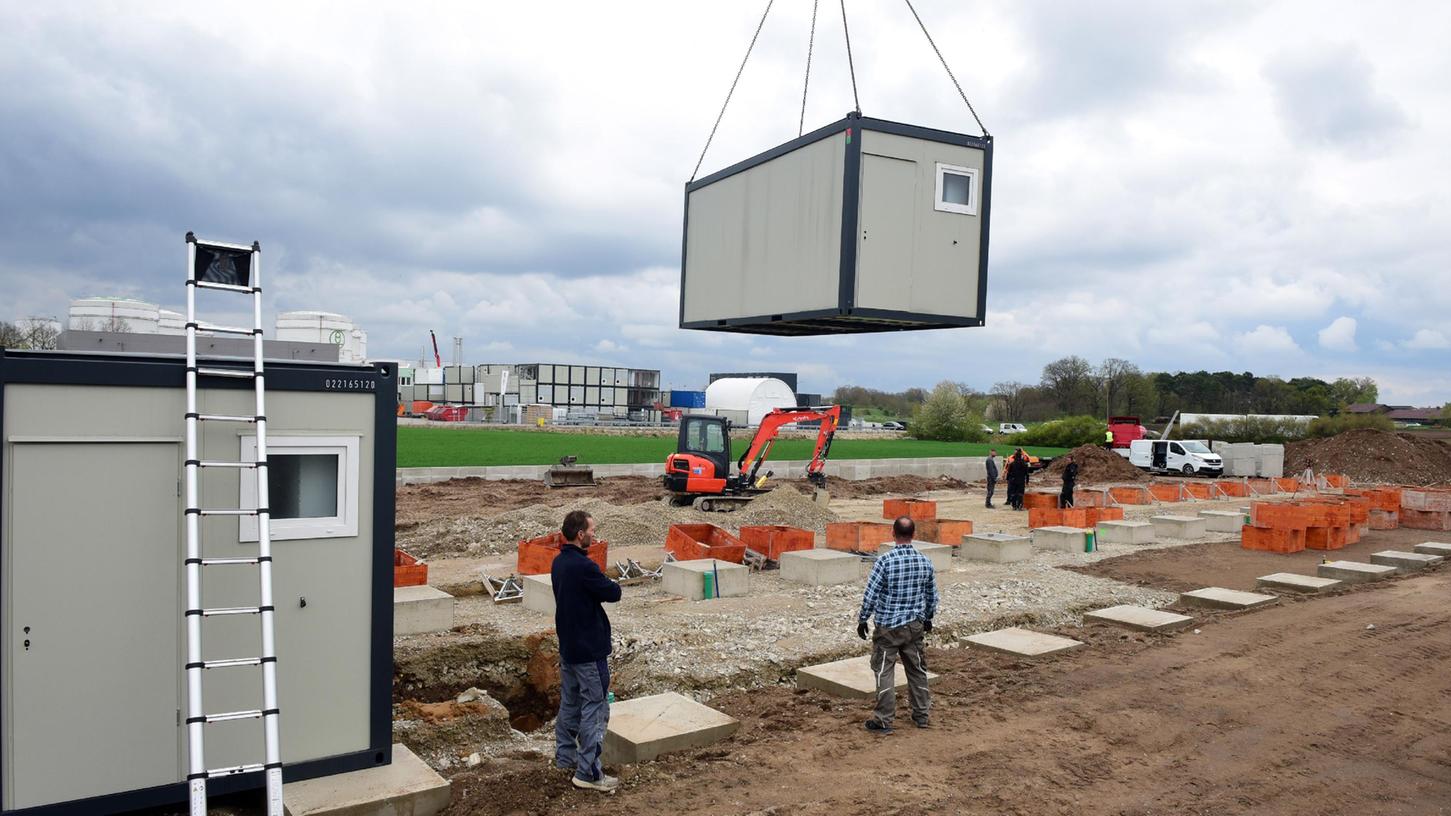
(771,424)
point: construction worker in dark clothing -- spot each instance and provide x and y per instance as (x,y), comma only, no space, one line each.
(1070,477)
(992,474)
(1017,478)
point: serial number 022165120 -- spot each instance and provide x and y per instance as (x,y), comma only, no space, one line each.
(349,384)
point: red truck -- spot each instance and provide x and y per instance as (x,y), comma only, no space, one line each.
(1125,430)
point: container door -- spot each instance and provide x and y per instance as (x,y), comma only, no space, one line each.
(886,246)
(92,646)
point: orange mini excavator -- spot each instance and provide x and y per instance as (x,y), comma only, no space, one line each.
(699,472)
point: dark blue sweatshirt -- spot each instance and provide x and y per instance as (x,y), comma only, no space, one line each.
(580,590)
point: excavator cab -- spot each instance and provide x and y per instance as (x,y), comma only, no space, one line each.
(702,461)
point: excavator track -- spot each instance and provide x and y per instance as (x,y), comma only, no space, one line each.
(721,504)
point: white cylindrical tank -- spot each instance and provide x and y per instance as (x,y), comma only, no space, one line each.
(757,396)
(114,314)
(172,322)
(325,327)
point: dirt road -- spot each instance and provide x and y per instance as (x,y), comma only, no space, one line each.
(1294,709)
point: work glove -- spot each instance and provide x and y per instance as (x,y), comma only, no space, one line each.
(926,626)
(861,630)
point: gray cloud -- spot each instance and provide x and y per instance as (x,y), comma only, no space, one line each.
(1327,96)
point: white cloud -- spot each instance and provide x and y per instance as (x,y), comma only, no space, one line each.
(1339,335)
(1266,340)
(1428,339)
(609,347)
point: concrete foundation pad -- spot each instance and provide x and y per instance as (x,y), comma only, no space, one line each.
(1181,527)
(820,567)
(1434,548)
(538,593)
(418,609)
(1023,642)
(1222,521)
(1221,598)
(939,554)
(644,728)
(1354,572)
(1292,582)
(406,786)
(1140,618)
(1062,539)
(1405,561)
(1125,532)
(687,578)
(851,677)
(999,548)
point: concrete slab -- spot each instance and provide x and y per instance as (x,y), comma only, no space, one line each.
(999,548)
(406,786)
(1125,532)
(820,567)
(1221,598)
(1140,618)
(419,609)
(1023,642)
(1354,572)
(1405,561)
(1222,521)
(1062,539)
(1292,582)
(1434,548)
(646,727)
(687,578)
(538,593)
(851,677)
(1181,527)
(939,554)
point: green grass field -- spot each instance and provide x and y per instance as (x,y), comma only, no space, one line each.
(448,447)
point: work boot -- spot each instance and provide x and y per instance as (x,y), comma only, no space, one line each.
(921,722)
(877,727)
(605,784)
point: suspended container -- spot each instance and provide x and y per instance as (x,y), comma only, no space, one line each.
(861,226)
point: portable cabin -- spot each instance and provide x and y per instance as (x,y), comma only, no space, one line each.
(864,225)
(91,601)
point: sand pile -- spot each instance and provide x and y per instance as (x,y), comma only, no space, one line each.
(1372,456)
(1095,466)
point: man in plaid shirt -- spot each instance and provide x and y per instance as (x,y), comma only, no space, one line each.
(902,596)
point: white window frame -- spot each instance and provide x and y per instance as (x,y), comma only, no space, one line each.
(945,206)
(342,525)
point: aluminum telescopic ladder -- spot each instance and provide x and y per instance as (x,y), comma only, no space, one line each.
(236,269)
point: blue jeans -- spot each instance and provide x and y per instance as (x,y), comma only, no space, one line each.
(579,732)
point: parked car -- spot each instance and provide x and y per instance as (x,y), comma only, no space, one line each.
(893,426)
(1011,428)
(1189,457)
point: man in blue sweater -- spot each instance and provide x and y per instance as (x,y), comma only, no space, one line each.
(902,596)
(580,590)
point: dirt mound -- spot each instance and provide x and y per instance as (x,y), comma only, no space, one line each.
(1095,466)
(474,496)
(1367,455)
(840,488)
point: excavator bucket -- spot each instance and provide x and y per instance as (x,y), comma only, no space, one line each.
(568,473)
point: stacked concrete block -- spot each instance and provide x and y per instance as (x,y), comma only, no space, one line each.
(1271,460)
(1062,539)
(939,554)
(418,609)
(998,548)
(687,579)
(1125,532)
(1180,527)
(820,567)
(538,593)
(1222,521)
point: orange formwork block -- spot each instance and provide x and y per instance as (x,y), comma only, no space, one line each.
(1270,539)
(1109,514)
(1237,490)
(1131,495)
(693,542)
(1165,492)
(1044,517)
(771,540)
(1045,501)
(1075,517)
(407,570)
(1325,538)
(1090,498)
(1279,515)
(857,536)
(1288,485)
(1260,487)
(915,509)
(536,555)
(1199,490)
(951,531)
(1337,480)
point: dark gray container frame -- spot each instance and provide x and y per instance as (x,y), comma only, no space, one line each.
(846,318)
(167,371)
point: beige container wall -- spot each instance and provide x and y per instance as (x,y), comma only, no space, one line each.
(323,647)
(912,257)
(767,240)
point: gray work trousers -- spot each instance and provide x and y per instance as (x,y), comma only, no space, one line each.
(887,646)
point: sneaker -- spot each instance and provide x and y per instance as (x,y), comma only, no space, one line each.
(605,784)
(922,723)
(876,727)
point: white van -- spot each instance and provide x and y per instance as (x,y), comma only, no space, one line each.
(1010,428)
(1188,456)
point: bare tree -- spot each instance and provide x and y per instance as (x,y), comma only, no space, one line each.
(11,336)
(1114,376)
(1069,382)
(1011,398)
(40,332)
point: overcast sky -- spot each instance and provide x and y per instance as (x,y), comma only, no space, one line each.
(1244,186)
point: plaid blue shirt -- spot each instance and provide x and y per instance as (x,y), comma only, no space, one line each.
(902,588)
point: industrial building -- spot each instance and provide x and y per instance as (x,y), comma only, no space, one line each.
(581,390)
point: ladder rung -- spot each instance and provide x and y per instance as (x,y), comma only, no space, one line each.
(224,287)
(227,562)
(206,512)
(229,716)
(231,610)
(225,418)
(236,373)
(208,327)
(231,662)
(236,769)
(243,465)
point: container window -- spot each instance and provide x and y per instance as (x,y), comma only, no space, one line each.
(956,189)
(312,485)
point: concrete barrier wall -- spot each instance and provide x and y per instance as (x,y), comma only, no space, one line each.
(966,468)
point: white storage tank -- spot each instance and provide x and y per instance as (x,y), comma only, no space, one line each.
(756,396)
(325,327)
(114,314)
(171,322)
